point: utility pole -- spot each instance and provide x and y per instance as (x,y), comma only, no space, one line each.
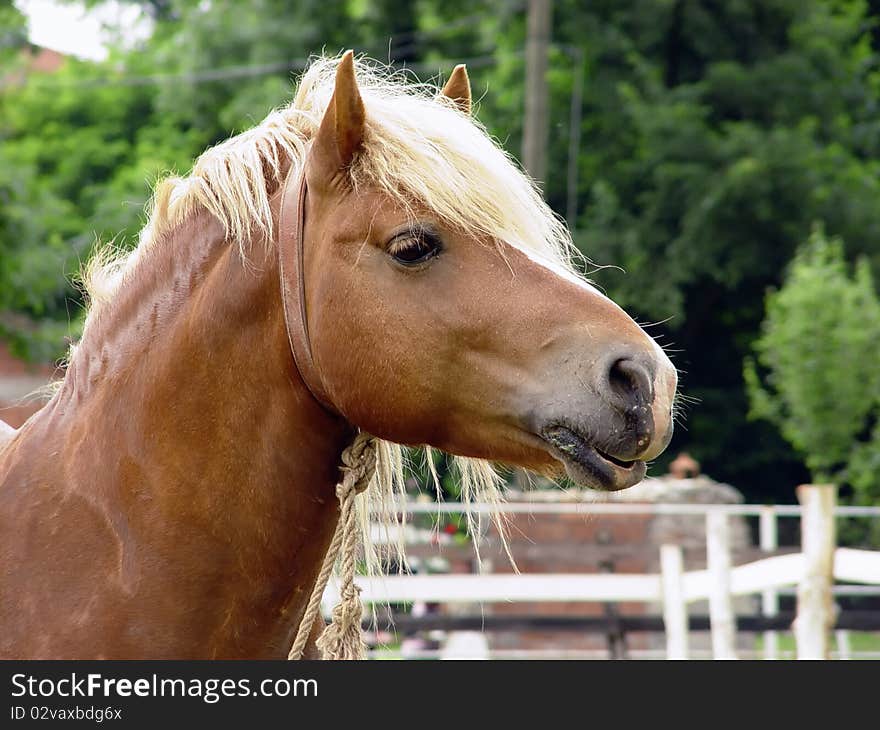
(534,151)
(574,135)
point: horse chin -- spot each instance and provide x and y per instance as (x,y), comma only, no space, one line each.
(588,466)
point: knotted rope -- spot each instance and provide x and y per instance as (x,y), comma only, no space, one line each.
(342,639)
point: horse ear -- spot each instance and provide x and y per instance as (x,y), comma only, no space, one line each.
(342,128)
(458,88)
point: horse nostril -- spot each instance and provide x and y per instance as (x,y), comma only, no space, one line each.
(630,382)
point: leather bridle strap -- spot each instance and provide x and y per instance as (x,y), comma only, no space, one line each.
(342,639)
(291,226)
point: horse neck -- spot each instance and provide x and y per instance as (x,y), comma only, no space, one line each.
(197,416)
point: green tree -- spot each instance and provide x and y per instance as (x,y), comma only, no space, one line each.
(713,135)
(74,169)
(818,347)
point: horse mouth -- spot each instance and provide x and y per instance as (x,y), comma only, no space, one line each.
(587,465)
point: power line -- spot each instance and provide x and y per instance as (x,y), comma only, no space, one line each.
(228,73)
(208,76)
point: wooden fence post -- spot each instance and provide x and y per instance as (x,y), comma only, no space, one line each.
(769,536)
(675,618)
(815,602)
(721,616)
(844,650)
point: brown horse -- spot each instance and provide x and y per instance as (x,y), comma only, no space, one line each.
(175,497)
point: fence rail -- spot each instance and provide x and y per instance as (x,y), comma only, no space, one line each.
(811,572)
(637,508)
(405,623)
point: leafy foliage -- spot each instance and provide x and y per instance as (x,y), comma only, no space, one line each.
(819,347)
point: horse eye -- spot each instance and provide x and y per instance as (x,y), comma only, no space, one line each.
(414,247)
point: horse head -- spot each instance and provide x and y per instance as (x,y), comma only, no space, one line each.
(442,306)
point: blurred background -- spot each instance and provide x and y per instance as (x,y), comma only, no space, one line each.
(719,159)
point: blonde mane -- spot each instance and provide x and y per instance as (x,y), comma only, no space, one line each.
(418,147)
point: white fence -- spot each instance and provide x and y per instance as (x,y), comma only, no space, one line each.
(812,571)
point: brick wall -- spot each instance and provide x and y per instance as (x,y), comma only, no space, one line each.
(18,381)
(594,543)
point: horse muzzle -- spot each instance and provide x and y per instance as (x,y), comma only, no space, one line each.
(603,434)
